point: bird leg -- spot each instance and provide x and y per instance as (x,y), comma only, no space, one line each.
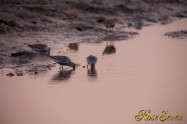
(107,31)
(92,67)
(107,43)
(61,68)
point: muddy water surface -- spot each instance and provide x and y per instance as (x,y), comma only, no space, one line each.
(146,72)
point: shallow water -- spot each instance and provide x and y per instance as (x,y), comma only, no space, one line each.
(146,72)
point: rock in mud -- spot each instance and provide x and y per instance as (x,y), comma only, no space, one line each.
(82,27)
(19,73)
(124,9)
(10,23)
(100,19)
(73,46)
(3,29)
(182,14)
(10,74)
(22,54)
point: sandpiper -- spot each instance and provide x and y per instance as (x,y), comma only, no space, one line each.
(91,60)
(109,24)
(63,60)
(40,48)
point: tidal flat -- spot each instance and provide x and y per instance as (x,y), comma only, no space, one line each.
(141,61)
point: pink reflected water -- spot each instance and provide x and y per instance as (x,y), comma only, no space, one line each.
(146,72)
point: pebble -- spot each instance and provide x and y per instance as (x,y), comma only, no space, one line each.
(10,74)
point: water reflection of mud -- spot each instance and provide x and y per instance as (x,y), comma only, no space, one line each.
(64,76)
(177,34)
(92,74)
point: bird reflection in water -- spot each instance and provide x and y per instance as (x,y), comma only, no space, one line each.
(110,48)
(92,74)
(64,75)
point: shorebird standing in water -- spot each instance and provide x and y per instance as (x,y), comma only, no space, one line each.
(91,60)
(63,60)
(109,24)
(40,48)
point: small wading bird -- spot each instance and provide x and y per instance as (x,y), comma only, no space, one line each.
(91,60)
(63,60)
(109,24)
(40,48)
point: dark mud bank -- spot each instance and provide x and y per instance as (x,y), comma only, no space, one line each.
(55,22)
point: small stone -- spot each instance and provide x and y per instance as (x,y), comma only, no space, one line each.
(10,74)
(79,28)
(20,74)
(34,22)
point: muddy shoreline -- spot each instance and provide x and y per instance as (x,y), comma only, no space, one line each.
(57,23)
